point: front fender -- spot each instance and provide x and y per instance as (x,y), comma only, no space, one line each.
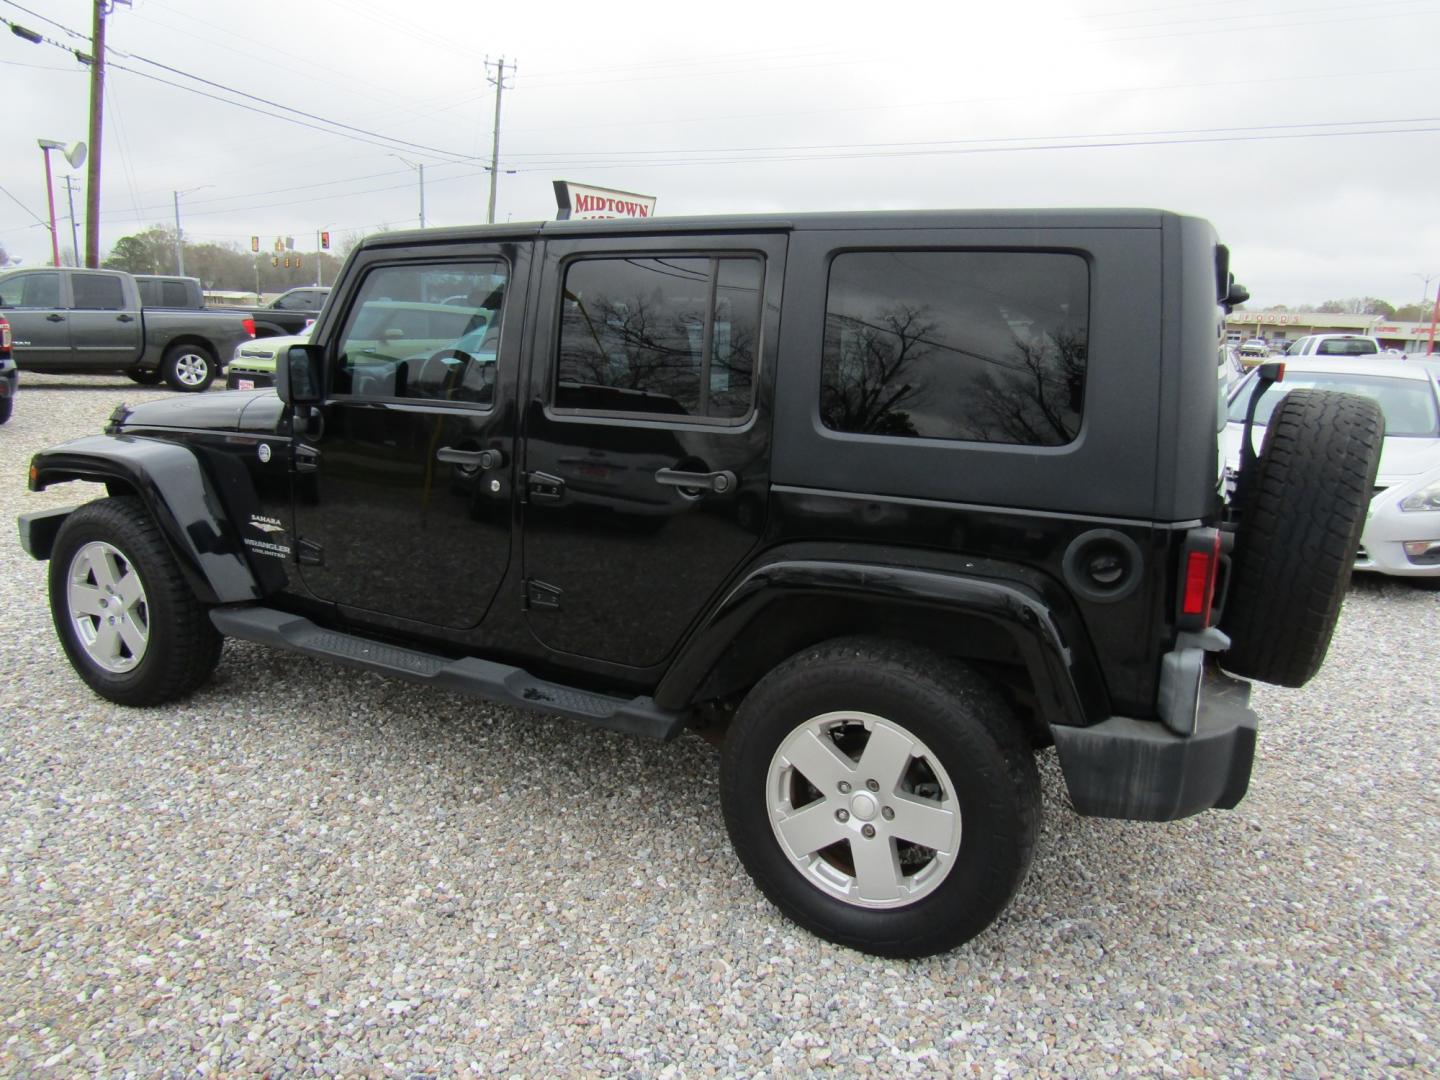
(169,479)
(1066,691)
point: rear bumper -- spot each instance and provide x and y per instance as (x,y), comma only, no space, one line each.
(1140,770)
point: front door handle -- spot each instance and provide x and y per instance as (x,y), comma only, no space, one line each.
(484,460)
(54,318)
(718,482)
(124,318)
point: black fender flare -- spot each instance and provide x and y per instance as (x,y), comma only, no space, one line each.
(170,480)
(1067,689)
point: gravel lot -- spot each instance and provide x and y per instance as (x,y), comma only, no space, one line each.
(302,871)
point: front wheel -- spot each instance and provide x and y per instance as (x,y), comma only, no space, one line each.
(188,368)
(126,618)
(881,796)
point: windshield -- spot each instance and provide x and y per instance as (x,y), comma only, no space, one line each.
(1408,404)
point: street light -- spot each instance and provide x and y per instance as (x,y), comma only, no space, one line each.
(421,169)
(1425,294)
(76,157)
(179,237)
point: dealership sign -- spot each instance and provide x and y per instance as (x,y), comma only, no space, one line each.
(581,202)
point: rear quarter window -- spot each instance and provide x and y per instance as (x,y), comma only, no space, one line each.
(980,346)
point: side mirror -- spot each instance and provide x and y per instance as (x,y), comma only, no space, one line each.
(1235,295)
(299,375)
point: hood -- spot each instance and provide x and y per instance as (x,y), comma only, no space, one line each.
(268,348)
(1401,457)
(228,410)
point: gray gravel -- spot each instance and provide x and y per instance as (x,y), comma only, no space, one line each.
(301,871)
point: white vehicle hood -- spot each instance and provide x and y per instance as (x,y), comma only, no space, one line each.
(1401,458)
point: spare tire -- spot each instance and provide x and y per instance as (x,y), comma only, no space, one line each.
(1303,509)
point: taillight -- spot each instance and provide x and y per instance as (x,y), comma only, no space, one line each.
(1202,559)
(4,333)
(249,325)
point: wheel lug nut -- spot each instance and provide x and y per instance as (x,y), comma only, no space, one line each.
(844,787)
(842,815)
(887,813)
(872,785)
(869,831)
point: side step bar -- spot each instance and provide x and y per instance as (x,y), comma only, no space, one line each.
(468,675)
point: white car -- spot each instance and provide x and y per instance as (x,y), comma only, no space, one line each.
(1402,532)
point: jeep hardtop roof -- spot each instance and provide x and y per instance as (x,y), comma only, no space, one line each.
(1100,218)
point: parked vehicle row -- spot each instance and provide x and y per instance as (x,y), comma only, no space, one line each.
(77,321)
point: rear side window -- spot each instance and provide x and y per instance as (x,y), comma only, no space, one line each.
(673,335)
(1346,347)
(97,292)
(975,345)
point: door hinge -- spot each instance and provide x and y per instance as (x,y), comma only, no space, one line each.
(307,458)
(538,594)
(309,553)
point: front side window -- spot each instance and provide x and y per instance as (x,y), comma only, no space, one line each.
(34,290)
(97,292)
(973,345)
(669,335)
(430,332)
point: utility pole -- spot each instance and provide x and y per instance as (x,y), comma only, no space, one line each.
(97,110)
(70,197)
(499,83)
(179,241)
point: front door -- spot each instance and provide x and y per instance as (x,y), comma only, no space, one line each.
(647,436)
(402,486)
(39,328)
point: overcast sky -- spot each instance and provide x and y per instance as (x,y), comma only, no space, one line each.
(1308,131)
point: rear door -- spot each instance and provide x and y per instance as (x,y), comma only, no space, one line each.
(647,435)
(402,486)
(39,327)
(104,322)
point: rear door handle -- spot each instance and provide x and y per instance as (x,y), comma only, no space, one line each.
(484,460)
(54,318)
(718,482)
(124,318)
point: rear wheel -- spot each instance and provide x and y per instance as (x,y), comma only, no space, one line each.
(7,407)
(126,618)
(189,368)
(881,796)
(1302,514)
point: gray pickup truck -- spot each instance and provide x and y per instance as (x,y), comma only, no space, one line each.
(76,321)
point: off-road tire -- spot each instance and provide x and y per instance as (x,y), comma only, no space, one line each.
(7,407)
(189,368)
(183,646)
(960,718)
(1301,518)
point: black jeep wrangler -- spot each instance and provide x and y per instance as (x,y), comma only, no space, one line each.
(886,502)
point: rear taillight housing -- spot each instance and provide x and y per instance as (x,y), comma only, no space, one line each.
(4,335)
(249,325)
(1201,589)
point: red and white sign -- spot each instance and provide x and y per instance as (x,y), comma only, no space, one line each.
(581,202)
